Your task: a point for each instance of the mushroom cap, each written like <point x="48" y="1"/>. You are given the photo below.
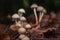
<point x="22" y="36"/>
<point x="26" y="38"/>
<point x="15" y="16"/>
<point x="34" y="6"/>
<point x="21" y="10"/>
<point x="28" y="26"/>
<point x="22" y="18"/>
<point x="21" y="30"/>
<point x="40" y="8"/>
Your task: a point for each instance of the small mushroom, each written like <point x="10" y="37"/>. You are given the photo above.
<point x="28" y="26"/>
<point x="22" y="36"/>
<point x="15" y="17"/>
<point x="22" y="30"/>
<point x="26" y="38"/>
<point x="22" y="18"/>
<point x="21" y="11"/>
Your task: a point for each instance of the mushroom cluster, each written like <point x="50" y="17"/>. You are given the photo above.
<point x="19" y="20"/>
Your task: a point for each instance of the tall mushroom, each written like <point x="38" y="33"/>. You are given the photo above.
<point x="41" y="13"/>
<point x="34" y="6"/>
<point x="40" y="9"/>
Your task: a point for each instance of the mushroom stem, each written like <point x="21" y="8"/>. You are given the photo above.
<point x="15" y="20"/>
<point x="41" y="16"/>
<point x="20" y="14"/>
<point x="35" y="14"/>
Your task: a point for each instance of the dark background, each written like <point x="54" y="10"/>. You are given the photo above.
<point x="12" y="6"/>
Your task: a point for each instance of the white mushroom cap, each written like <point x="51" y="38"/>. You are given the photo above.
<point x="21" y="10"/>
<point x="15" y="16"/>
<point x="40" y="8"/>
<point x="26" y="38"/>
<point x="34" y="6"/>
<point x="22" y="36"/>
<point x="21" y="30"/>
<point x="22" y="18"/>
<point x="28" y="26"/>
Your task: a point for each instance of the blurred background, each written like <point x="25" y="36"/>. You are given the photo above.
<point x="11" y="6"/>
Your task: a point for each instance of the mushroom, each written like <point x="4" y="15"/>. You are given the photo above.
<point x="21" y="11"/>
<point x="41" y="12"/>
<point x="26" y="38"/>
<point x="22" y="30"/>
<point x="15" y="17"/>
<point x="22" y="36"/>
<point x="28" y="26"/>
<point x="22" y="18"/>
<point x="34" y="6"/>
<point x="18" y="25"/>
<point x="40" y="8"/>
